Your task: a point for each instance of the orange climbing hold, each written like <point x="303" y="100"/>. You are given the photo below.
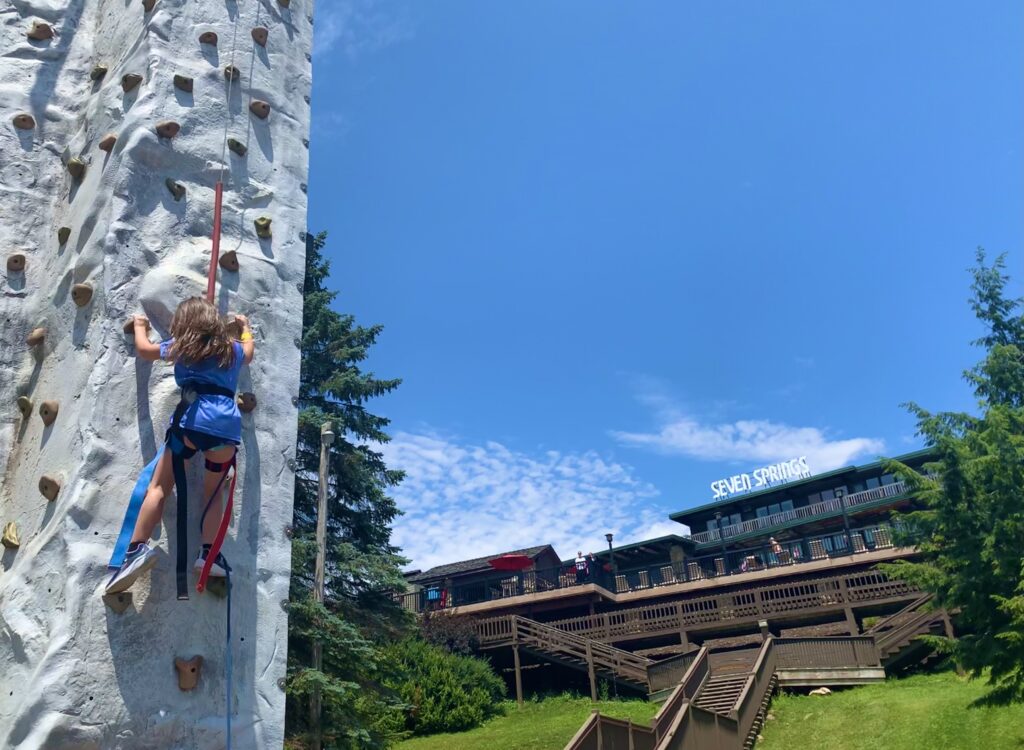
<point x="229" y="261"/>
<point x="263" y="227"/>
<point x="81" y="294"/>
<point x="49" y="487"/>
<point x="259" y="35"/>
<point x="167" y="129"/>
<point x="24" y="121"/>
<point x="40" y="31"/>
<point x="188" y="672"/>
<point x="37" y="337"/>
<point x="106" y="144"/>
<point x="260" y="108"/>
<point x="15" y="263"/>
<point x="208" y="37"/>
<point x="183" y="83"/>
<point x="130" y="81"/>
<point x="48" y="412"/>
<point x="149" y="5"/>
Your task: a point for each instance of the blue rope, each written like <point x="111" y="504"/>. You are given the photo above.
<point x="228" y="665"/>
<point x="131" y="516"/>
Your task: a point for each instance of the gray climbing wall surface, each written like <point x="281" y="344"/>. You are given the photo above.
<point x="114" y="118"/>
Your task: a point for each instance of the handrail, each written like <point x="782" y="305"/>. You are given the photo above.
<point x="758" y="684"/>
<point x="690" y="684"/>
<point x="907" y="630"/>
<point x="914" y="605"/>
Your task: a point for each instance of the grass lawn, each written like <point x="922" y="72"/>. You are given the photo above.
<point x="544" y="725"/>
<point x="923" y="711"/>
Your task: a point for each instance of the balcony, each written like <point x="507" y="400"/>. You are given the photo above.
<point x="806" y="513"/>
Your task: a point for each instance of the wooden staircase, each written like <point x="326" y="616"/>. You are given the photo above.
<point x="720" y="692"/>
<point x="897" y="636"/>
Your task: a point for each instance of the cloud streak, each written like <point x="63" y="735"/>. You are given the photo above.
<point x="464" y="500"/>
<point x="358" y="27"/>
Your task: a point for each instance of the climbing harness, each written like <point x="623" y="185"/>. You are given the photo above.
<point x="227" y="662"/>
<point x="225" y="519"/>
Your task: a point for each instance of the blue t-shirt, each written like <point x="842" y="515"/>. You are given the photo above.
<point x="209" y="413"/>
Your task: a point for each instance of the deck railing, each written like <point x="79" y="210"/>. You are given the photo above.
<point x="808" y="512"/>
<point x="709" y="566"/>
<point x="826" y="653"/>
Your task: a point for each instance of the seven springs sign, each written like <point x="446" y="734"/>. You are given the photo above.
<point x="795" y="468"/>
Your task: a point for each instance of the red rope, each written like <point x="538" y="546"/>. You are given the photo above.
<point x="211" y="281"/>
<point x="222" y="530"/>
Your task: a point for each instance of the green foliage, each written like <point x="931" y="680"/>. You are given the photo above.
<point x="454" y="633"/>
<point x="358" y="619"/>
<point x="973" y="498"/>
<point x="445" y="692"/>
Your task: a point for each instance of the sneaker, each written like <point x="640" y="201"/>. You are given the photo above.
<point x="140" y="558"/>
<point x="219" y="568"/>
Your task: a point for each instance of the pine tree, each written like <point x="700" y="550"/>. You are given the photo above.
<point x="359" y="617"/>
<point x="972" y="525"/>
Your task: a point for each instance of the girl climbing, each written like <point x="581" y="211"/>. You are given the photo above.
<point x="206" y="366"/>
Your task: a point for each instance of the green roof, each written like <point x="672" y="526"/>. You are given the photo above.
<point x="788" y="486"/>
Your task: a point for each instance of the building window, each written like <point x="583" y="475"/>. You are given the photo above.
<point x="888" y="479"/>
<point x="787" y="505"/>
<point x="762" y="512"/>
<point x="873" y="483"/>
<point x="828" y="495"/>
<point x="712" y="524"/>
<point x="815" y="498"/>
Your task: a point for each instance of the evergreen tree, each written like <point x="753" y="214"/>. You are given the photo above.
<point x="358" y="618"/>
<point x="973" y="497"/>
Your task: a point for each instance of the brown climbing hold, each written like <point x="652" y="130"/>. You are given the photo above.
<point x="49" y="487"/>
<point x="24" y="121"/>
<point x="208" y="37"/>
<point x="81" y="294"/>
<point x="119" y="603"/>
<point x="246" y="402"/>
<point x="263" y="227"/>
<point x="231" y="73"/>
<point x="129" y="326"/>
<point x="76" y="167"/>
<point x="284" y="3"/>
<point x="130" y="81"/>
<point x="188" y="672"/>
<point x="260" y="108"/>
<point x="229" y="261"/>
<point x="48" y="412"/>
<point x="37" y="337"/>
<point x="10" y="539"/>
<point x="167" y="129"/>
<point x="217" y="586"/>
<point x="40" y="31"/>
<point x="106" y="144"/>
<point x="97" y="72"/>
<point x="25" y="406"/>
<point x="176" y="188"/>
<point x="15" y="263"/>
<point x="63" y="235"/>
<point x="259" y="35"/>
<point x="149" y="5"/>
<point x="183" y="82"/>
<point x="236" y="146"/>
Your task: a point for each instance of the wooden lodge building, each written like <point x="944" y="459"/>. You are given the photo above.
<point x="782" y="580"/>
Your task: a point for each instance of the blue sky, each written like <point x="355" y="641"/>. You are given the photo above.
<point x="621" y="250"/>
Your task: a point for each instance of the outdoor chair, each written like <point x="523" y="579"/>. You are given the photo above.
<point x="509" y="586"/>
<point x="668" y="575"/>
<point x="719" y="566"/>
<point x="645" y="580"/>
<point x="882" y="538"/>
<point x="621" y="587"/>
<point x="529" y="582"/>
<point x="818" y="550"/>
<point x="695" y="571"/>
<point x="858" y="542"/>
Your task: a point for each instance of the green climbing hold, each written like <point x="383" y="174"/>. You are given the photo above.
<point x="263" y="227"/>
<point x="76" y="167"/>
<point x="25" y="406"/>
<point x="63" y="235"/>
<point x="97" y="72"/>
<point x="176" y="188"/>
<point x="236" y="146"/>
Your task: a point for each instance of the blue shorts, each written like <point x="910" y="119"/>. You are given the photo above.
<point x="205" y="442"/>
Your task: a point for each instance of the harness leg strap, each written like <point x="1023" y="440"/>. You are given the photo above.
<point x="179" y="453"/>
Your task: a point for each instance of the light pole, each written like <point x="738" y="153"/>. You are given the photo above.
<point x="611" y="555"/>
<point x="326" y="438"/>
<point x="721" y="537"/>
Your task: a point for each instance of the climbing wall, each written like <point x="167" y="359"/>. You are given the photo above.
<point x="118" y="119"/>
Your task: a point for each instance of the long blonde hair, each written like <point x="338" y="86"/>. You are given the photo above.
<point x="199" y="334"/>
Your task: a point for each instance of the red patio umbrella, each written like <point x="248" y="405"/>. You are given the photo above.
<point x="511" y="562"/>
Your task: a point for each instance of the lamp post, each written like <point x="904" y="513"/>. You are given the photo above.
<point x="611" y="555"/>
<point x="840" y="496"/>
<point x="721" y="537"/>
<point x="326" y="438"/>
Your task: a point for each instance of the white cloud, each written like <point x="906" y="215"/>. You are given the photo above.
<point x="359" y="26"/>
<point x="750" y="440"/>
<point x="463" y="500"/>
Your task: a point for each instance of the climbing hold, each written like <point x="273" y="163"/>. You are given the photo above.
<point x="10" y="539"/>
<point x="97" y="72"/>
<point x="130" y="81"/>
<point x="236" y="146"/>
<point x="106" y="144"/>
<point x="232" y="329"/>
<point x="259" y="35"/>
<point x="40" y="31"/>
<point x="188" y="672"/>
<point x="231" y="73"/>
<point x="129" y="326"/>
<point x="76" y="167"/>
<point x="25" y="406"/>
<point x="284" y="3"/>
<point x="208" y="37"/>
<point x="176" y="188"/>
<point x="229" y="261"/>
<point x="24" y="121"/>
<point x="15" y="263"/>
<point x="81" y="294"/>
<point x="263" y="227"/>
<point x="48" y="412"/>
<point x="49" y="487"/>
<point x="149" y="5"/>
<point x="167" y="129"/>
<point x="63" y="235"/>
<point x="246" y="402"/>
<point x="260" y="108"/>
<point x="183" y="82"/>
<point x="37" y="337"/>
<point x="119" y="603"/>
<point x="217" y="586"/>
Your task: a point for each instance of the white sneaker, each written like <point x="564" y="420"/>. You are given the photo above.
<point x="135" y="564"/>
<point x="217" y="570"/>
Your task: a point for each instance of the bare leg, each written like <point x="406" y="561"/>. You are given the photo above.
<point x="152" y="509"/>
<point x="210" y="481"/>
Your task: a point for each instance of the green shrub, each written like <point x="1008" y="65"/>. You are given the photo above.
<point x="445" y="692"/>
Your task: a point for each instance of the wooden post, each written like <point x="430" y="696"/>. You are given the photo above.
<point x="519" y="675"/>
<point x="590" y="673"/>
<point x="326" y="438"/>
